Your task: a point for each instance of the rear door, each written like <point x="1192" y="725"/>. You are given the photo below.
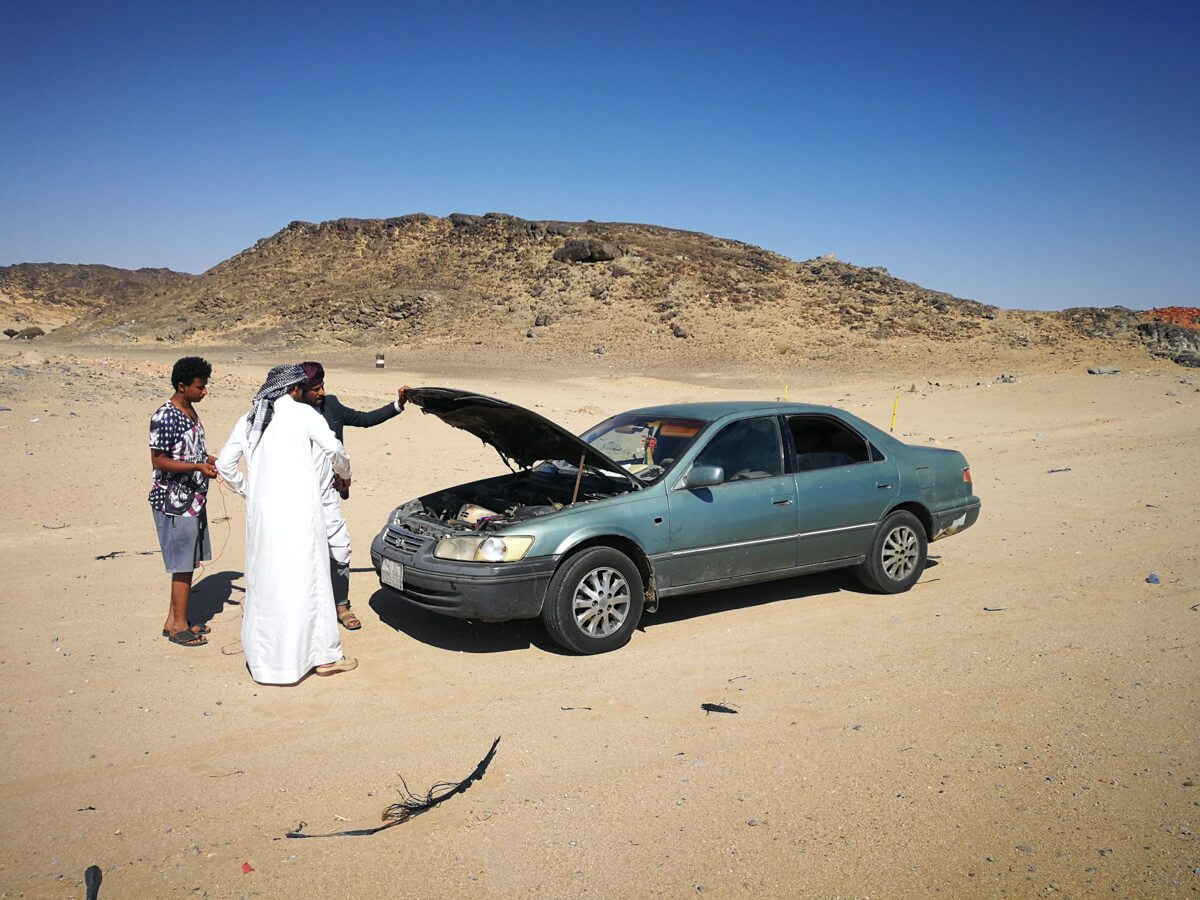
<point x="743" y="526"/>
<point x="843" y="487"/>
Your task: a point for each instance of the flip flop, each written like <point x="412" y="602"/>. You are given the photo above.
<point x="186" y="638"/>
<point x="342" y="665"/>
<point x="201" y="628"/>
<point x="346" y="617"/>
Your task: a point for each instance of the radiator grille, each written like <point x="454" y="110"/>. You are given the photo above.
<point x="404" y="540"/>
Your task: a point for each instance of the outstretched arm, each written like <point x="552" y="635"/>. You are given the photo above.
<point x="360" y="419"/>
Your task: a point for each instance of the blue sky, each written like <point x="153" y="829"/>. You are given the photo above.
<point x="1026" y="155"/>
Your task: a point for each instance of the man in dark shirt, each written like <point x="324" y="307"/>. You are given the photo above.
<point x="338" y="417"/>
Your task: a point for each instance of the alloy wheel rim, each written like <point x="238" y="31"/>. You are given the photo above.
<point x="900" y="552"/>
<point x="601" y="602"/>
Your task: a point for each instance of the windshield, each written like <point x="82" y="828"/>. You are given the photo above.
<point x="646" y="445"/>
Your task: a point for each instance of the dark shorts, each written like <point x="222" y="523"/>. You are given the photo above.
<point x="183" y="539"/>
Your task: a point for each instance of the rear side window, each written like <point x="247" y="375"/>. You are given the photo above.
<point x="819" y="442"/>
<point x="750" y="448"/>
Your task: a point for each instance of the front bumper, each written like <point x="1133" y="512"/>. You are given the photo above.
<point x="952" y="521"/>
<point x="466" y="590"/>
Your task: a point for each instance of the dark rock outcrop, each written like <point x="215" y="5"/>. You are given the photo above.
<point x="588" y="251"/>
<point x="1174" y="342"/>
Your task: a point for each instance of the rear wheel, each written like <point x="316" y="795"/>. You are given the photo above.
<point x="594" y="601"/>
<point x="897" y="556"/>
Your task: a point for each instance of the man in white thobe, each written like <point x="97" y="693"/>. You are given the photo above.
<point x="288" y="625"/>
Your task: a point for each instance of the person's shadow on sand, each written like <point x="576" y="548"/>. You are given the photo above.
<point x="211" y="593"/>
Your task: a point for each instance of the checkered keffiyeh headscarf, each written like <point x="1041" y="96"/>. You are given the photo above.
<point x="279" y="379"/>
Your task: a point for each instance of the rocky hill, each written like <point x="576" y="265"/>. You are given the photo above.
<point x="545" y="289"/>
<point x="52" y="294"/>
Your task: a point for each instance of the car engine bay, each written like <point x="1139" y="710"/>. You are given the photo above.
<point x="495" y="503"/>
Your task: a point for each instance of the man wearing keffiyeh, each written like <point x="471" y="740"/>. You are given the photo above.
<point x="288" y="625"/>
<point x="280" y="380"/>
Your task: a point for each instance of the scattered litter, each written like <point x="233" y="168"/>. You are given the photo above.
<point x="567" y="708"/>
<point x="1152" y="579"/>
<point x="736" y="677"/>
<point x="227" y="774"/>
<point x="34" y="419"/>
<point x="247" y="868"/>
<point x="717" y="708"/>
<point x="411" y="806"/>
<point x="112" y="555"/>
<point x="1006" y="379"/>
<point x="85" y="809"/>
<point x="1104" y="370"/>
<point x="1040" y="435"/>
<point x="994" y="608"/>
<point x="56" y="527"/>
<point x="1052" y="471"/>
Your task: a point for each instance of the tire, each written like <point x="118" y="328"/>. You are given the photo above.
<point x="594" y="601"/>
<point x="897" y="556"/>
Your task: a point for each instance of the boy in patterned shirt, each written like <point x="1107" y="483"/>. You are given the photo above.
<point x="182" y="468"/>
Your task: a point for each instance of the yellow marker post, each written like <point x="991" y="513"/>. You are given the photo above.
<point x="895" y="407"/>
<point x="785" y="393"/>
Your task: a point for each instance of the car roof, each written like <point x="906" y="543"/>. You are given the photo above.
<point x="715" y="409"/>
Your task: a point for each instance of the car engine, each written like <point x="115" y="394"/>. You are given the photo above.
<point x="499" y="502"/>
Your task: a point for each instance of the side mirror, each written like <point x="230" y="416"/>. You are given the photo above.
<point x="703" y="476"/>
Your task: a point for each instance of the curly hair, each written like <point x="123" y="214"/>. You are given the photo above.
<point x="188" y="370"/>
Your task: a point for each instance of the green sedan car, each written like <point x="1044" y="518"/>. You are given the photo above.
<point x="589" y="532"/>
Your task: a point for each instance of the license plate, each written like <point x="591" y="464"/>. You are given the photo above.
<point x="392" y="574"/>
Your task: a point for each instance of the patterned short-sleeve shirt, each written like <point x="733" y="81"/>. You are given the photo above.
<point x="178" y="493"/>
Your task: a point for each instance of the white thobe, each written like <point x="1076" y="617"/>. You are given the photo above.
<point x="337" y="533"/>
<point x="288" y="624"/>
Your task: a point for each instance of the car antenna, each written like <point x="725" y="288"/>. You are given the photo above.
<point x="578" y="476"/>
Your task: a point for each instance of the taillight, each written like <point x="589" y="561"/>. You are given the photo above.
<point x="967" y="475"/>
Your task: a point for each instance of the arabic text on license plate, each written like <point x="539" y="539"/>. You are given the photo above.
<point x="392" y="574"/>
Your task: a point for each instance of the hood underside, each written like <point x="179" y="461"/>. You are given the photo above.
<point x="519" y="434"/>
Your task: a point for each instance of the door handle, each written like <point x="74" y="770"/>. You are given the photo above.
<point x="883" y="485"/>
<point x="781" y="501"/>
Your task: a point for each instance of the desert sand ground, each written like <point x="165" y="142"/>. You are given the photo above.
<point x="883" y="745"/>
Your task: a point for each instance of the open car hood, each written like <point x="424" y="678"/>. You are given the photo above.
<point x="518" y="434"/>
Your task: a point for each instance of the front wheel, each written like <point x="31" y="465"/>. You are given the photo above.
<point x="897" y="556"/>
<point x="594" y="601"/>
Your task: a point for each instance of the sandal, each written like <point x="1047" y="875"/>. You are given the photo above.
<point x="195" y="628"/>
<point x="348" y="619"/>
<point x="342" y="665"/>
<point x="186" y="638"/>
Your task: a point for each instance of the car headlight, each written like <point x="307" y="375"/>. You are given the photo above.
<point x="483" y="549"/>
